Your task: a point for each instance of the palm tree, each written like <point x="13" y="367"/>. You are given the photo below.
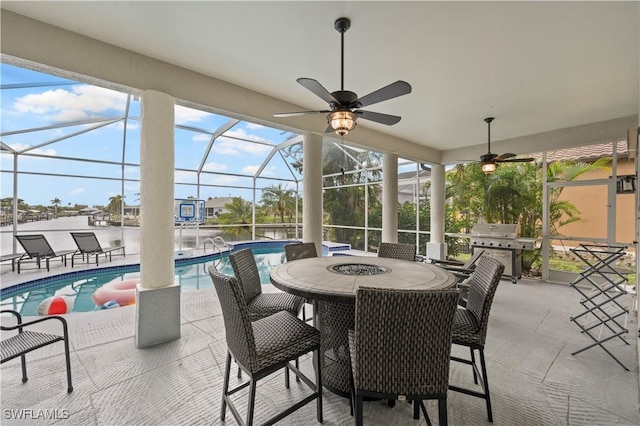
<point x="115" y="204"/>
<point x="238" y="214"/>
<point x="278" y="200"/>
<point x="55" y="203"/>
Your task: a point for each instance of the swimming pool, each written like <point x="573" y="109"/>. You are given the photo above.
<point x="191" y="274"/>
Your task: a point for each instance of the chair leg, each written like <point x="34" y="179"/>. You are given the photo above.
<point x="485" y="380"/>
<point x="359" y="420"/>
<point x="68" y="360"/>
<point x="252" y="401"/>
<point x="473" y="363"/>
<point x="318" y="385"/>
<point x="442" y="412"/>
<point x="416" y="409"/>
<point x="225" y="389"/>
<point x="298" y="367"/>
<point x="424" y="411"/>
<point x="286" y="376"/>
<point x="23" y="360"/>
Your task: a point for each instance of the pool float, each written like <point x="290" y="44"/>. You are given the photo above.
<point x="121" y="292"/>
<point x="55" y="305"/>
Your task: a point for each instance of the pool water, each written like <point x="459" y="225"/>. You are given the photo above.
<point x="80" y="288"/>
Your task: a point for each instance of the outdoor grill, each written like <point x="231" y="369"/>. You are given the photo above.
<point x="502" y="242"/>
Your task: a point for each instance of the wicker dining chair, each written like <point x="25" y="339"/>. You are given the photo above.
<point x="263" y="347"/>
<point x="462" y="271"/>
<point x="260" y="304"/>
<point x="401" y="346"/>
<point x="397" y="251"/>
<point x="297" y="251"/>
<point x="470" y="324"/>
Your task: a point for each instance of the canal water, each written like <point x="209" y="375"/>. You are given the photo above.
<point x="57" y="231"/>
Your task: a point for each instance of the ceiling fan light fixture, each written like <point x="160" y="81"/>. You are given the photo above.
<point x="489" y="168"/>
<point x="342" y="121"/>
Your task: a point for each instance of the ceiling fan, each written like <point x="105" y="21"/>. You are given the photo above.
<point x="490" y="161"/>
<point x="344" y="106"/>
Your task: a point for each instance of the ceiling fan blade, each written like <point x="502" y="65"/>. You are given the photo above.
<point x="317" y="89"/>
<point x="505" y="156"/>
<point x="391" y="91"/>
<point x="517" y="160"/>
<point x="378" y="117"/>
<point x="297" y="113"/>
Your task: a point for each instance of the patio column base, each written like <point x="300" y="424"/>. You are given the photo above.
<point x="437" y="251"/>
<point x="157" y="315"/>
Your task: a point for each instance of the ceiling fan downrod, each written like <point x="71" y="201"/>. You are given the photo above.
<point x="488" y="120"/>
<point x="342" y="25"/>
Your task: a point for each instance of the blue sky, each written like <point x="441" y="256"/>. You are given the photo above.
<point x="27" y="107"/>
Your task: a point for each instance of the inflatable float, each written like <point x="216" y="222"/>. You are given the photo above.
<point x="55" y="305"/>
<point x="121" y="292"/>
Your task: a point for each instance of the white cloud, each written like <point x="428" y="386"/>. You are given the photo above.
<point x="46" y="151"/>
<point x="267" y="171"/>
<point x="77" y="191"/>
<point x="201" y="137"/>
<point x="184" y="115"/>
<point x="60" y="105"/>
<point x="254" y="126"/>
<point x="250" y="169"/>
<point x="218" y="180"/>
<point x="214" y="167"/>
<point x="229" y="146"/>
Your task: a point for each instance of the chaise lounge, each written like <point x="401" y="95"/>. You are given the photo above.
<point x="36" y="248"/>
<point x="88" y="245"/>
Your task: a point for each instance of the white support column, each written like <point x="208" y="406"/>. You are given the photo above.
<point x="312" y="190"/>
<point x="436" y="247"/>
<point x="157" y="295"/>
<point x="389" y="198"/>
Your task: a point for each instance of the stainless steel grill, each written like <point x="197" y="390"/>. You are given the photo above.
<point x="502" y="241"/>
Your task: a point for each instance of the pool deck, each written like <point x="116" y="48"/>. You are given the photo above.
<point x="534" y="378"/>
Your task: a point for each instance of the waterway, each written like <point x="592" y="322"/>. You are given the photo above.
<point x="57" y="233"/>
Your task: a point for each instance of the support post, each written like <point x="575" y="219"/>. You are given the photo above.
<point x="389" y="198"/>
<point x="312" y="190"/>
<point x="157" y="294"/>
<point x="436" y="247"/>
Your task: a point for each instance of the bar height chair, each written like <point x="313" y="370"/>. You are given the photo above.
<point x="262" y="347"/>
<point x="398" y="251"/>
<point x="470" y="324"/>
<point x="400" y="347"/>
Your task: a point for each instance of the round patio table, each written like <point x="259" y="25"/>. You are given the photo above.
<point x="332" y="282"/>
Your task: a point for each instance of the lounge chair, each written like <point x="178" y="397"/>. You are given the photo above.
<point x="11" y="257"/>
<point x="88" y="245"/>
<point x="36" y="248"/>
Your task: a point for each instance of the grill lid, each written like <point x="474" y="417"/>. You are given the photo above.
<point x="496" y="230"/>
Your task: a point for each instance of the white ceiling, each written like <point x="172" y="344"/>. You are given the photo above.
<point x="535" y="66"/>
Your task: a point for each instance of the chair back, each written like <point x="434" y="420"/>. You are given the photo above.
<point x="403" y="340"/>
<point x="246" y="271"/>
<point x="300" y="251"/>
<point x="397" y="251"/>
<point x="237" y="324"/>
<point x="482" y="287"/>
<point x="87" y="242"/>
<point x="471" y="263"/>
<point x="35" y="245"/>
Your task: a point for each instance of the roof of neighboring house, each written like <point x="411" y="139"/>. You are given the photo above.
<point x="218" y="202"/>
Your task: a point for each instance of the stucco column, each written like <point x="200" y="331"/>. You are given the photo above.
<point x="157" y="295"/>
<point x="389" y="198"/>
<point x="312" y="190"/>
<point x="436" y="247"/>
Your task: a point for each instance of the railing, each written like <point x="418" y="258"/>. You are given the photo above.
<point x="219" y="246"/>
